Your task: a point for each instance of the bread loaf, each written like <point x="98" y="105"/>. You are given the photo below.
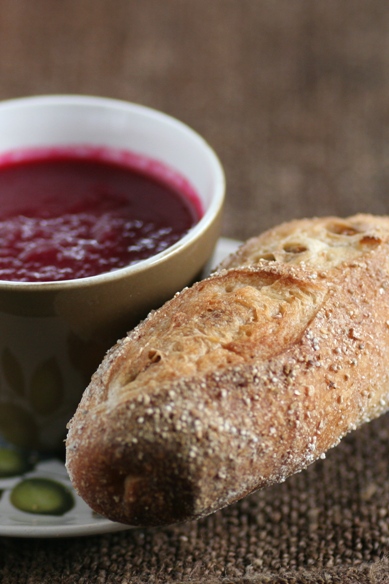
<point x="241" y="380"/>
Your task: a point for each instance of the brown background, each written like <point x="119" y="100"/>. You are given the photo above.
<point x="294" y="97"/>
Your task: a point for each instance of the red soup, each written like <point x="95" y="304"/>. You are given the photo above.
<point x="68" y="214"/>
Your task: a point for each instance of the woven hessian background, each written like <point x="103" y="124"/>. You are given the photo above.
<point x="294" y="97"/>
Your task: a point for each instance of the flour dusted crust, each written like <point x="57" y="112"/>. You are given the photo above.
<point x="241" y="380"/>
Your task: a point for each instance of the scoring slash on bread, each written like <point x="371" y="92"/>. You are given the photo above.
<point x="241" y="380"/>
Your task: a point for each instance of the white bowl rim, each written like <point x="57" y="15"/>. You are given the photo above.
<point x="189" y="238"/>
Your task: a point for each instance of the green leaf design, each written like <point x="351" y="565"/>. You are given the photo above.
<point x="12" y="463"/>
<point x="13" y="372"/>
<point x="42" y="496"/>
<point x="46" y="390"/>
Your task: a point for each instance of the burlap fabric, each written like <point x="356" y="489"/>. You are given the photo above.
<point x="294" y="96"/>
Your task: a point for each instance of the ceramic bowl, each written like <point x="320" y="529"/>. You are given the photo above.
<point x="54" y="334"/>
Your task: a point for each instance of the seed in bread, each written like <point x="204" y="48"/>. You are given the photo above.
<point x="241" y="380"/>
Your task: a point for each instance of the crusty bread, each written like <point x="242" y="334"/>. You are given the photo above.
<point x="241" y="380"/>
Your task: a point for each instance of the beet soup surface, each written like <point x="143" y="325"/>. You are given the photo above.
<point x="65" y="216"/>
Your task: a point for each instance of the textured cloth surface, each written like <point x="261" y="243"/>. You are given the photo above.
<point x="294" y="97"/>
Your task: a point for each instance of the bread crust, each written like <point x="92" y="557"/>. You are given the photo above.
<point x="241" y="380"/>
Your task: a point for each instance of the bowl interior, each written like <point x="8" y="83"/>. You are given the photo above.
<point x="76" y="121"/>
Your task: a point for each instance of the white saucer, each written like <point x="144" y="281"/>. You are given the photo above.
<point x="80" y="519"/>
